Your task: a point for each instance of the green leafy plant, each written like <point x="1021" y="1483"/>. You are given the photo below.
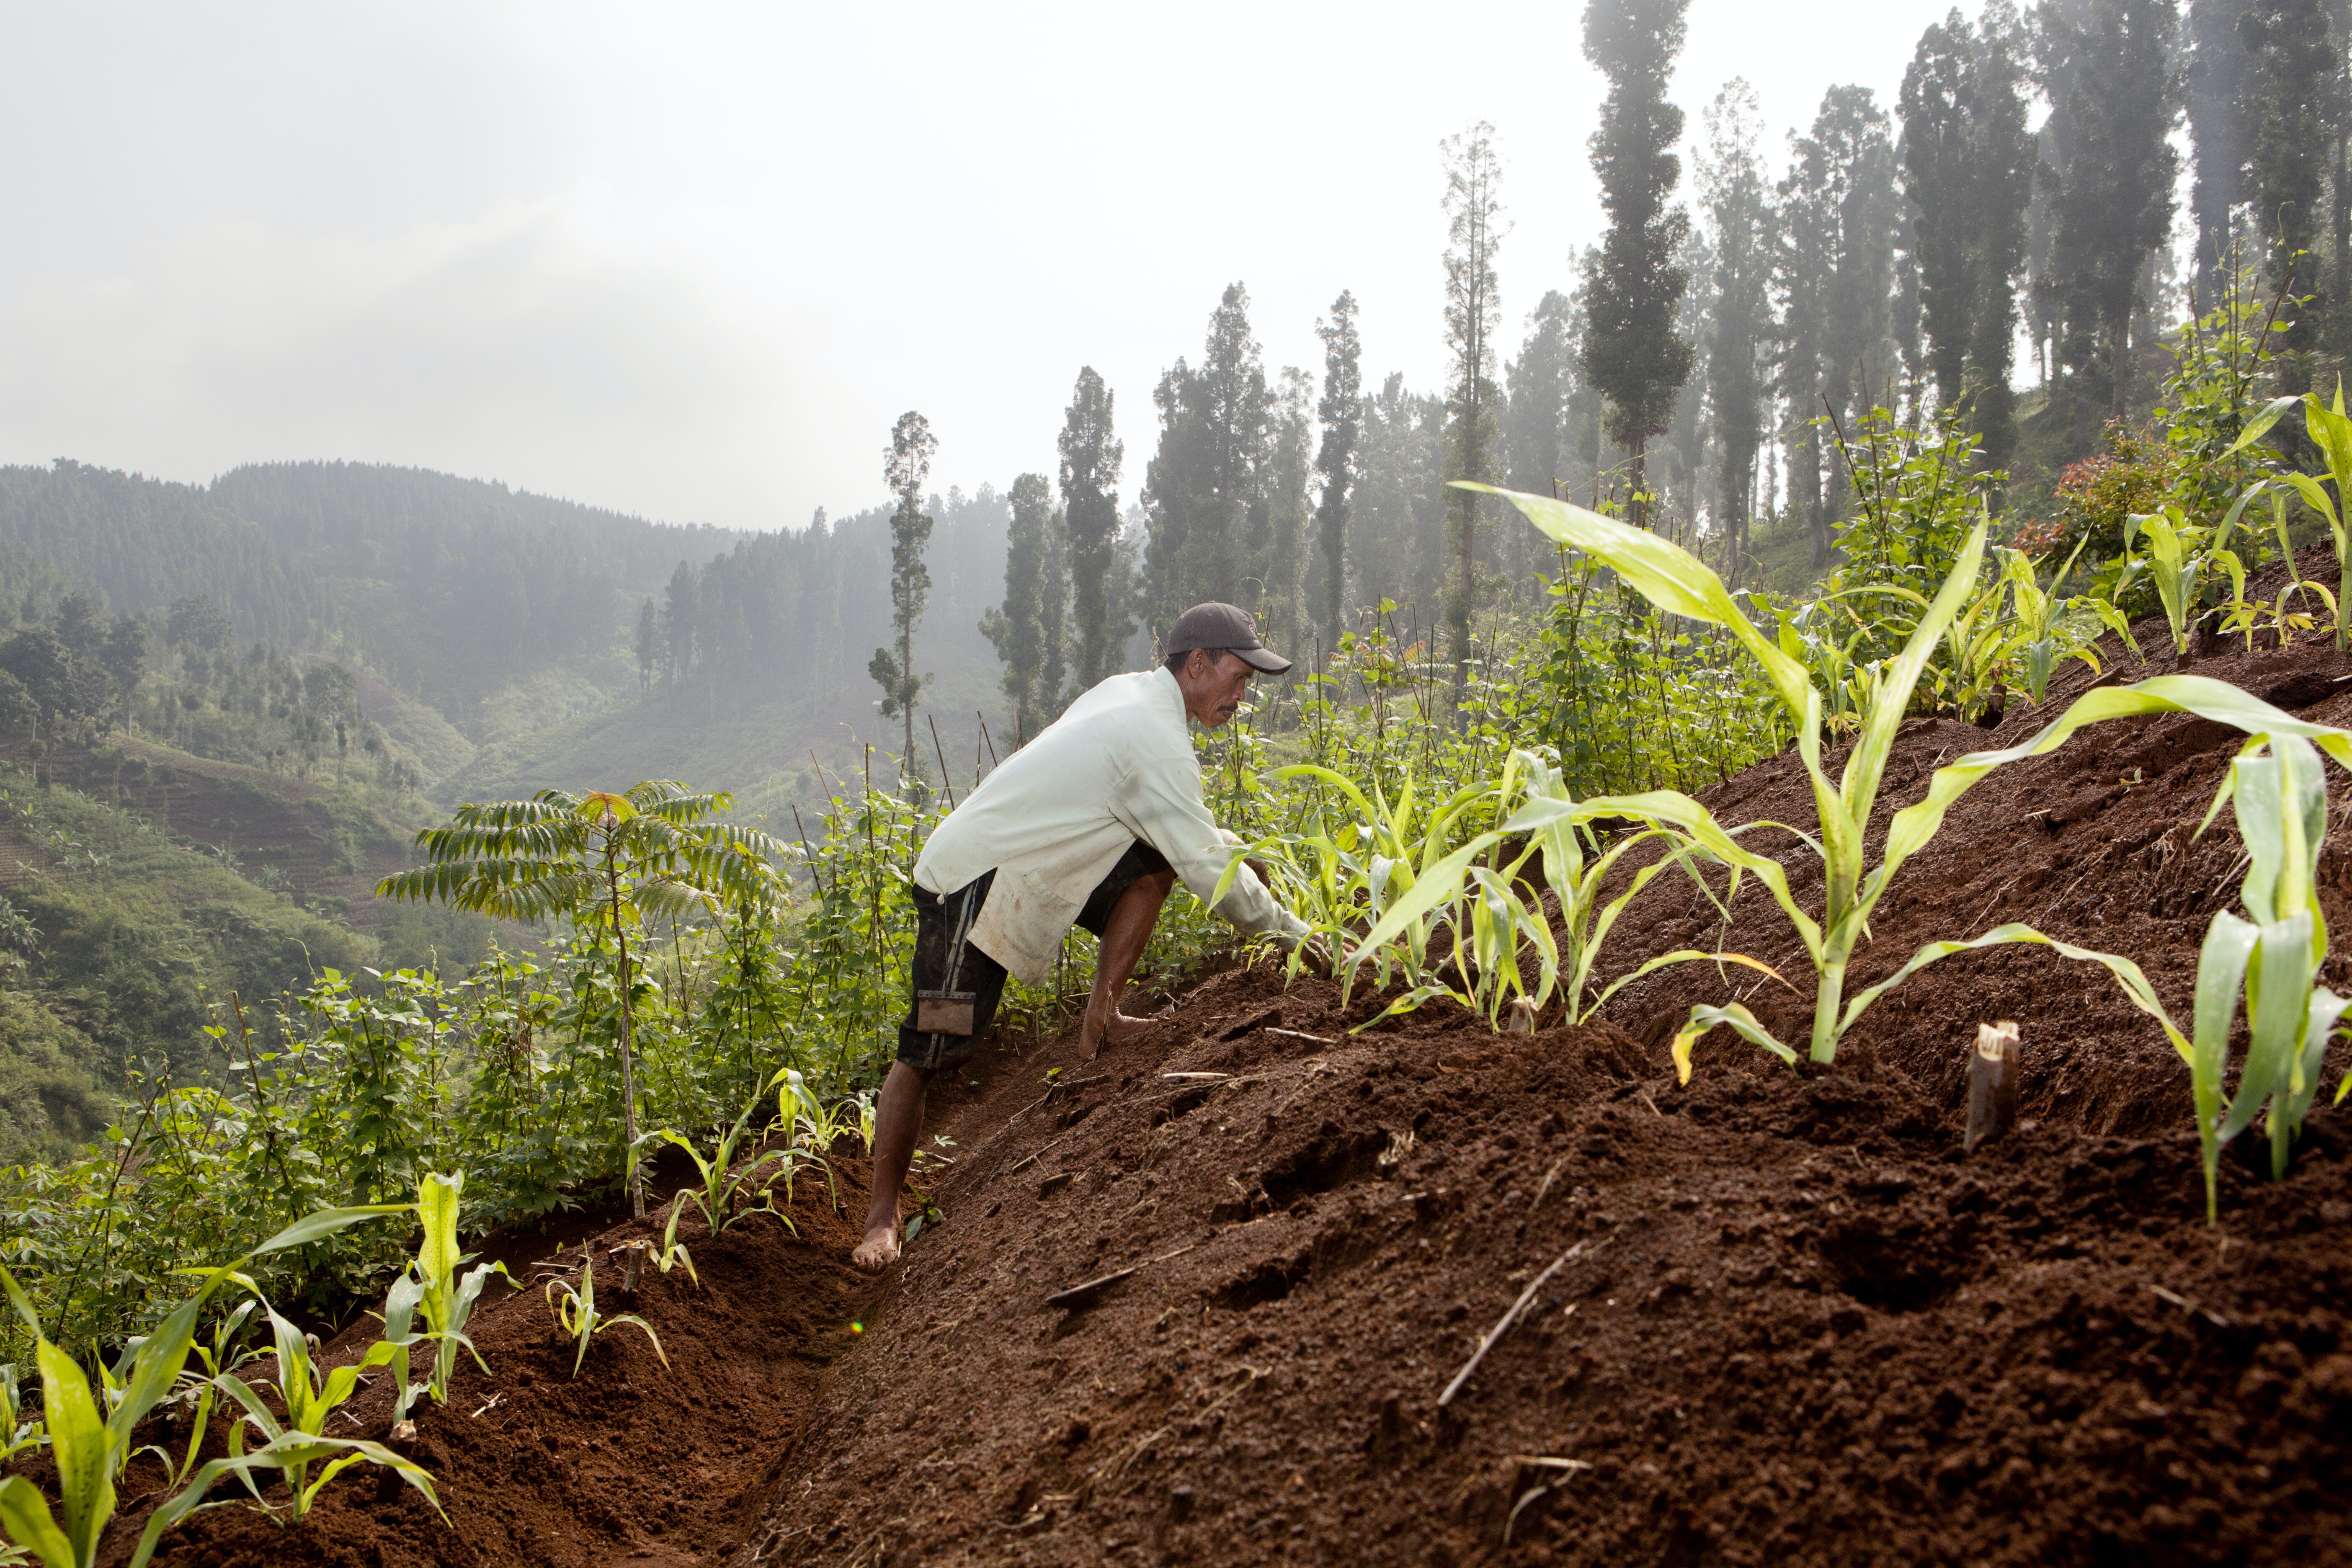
<point x="2330" y="431"/>
<point x="308" y="1400"/>
<point x="91" y="1449"/>
<point x="1493" y="912"/>
<point x="2281" y="815"/>
<point x="609" y="863"/>
<point x="2178" y="556"/>
<point x="200" y="1391"/>
<point x="577" y="1319"/>
<point x="2274" y="954"/>
<point x="1673" y="580"/>
<point x="446" y="1300"/>
<point x="17" y="1433"/>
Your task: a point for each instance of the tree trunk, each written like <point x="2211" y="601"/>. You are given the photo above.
<point x="2122" y="364"/>
<point x="628" y="1047"/>
<point x="1640" y="475"/>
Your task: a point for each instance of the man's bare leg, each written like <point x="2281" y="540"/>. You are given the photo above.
<point x="898" y="1122"/>
<point x="1125" y="935"/>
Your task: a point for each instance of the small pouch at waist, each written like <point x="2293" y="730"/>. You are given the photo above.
<point x="945" y="1012"/>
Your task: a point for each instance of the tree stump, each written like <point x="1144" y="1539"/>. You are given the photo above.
<point x="1995" y="1063"/>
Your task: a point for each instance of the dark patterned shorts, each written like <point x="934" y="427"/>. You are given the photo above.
<point x="945" y="959"/>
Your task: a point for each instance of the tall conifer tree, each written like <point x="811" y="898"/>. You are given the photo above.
<point x="1535" y="417"/>
<point x="1739" y="213"/>
<point x="905" y="466"/>
<point x="1473" y="208"/>
<point x="1341" y="411"/>
<point x="2112" y="76"/>
<point x="2291" y="97"/>
<point x="2215" y="83"/>
<point x="1968" y="167"/>
<point x="1840" y="219"/>
<point x="1631" y="353"/>
<point x="1091" y="456"/>
<point x="1017" y="626"/>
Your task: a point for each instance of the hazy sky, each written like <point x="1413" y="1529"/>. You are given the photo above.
<point x="692" y="260"/>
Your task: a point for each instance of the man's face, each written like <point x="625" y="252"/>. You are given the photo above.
<point x="1214" y="684"/>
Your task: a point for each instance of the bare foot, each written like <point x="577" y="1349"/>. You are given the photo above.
<point x="879" y="1250"/>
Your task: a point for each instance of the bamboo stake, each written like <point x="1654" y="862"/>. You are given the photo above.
<point x="946" y="783"/>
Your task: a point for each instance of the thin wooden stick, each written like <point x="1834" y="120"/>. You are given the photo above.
<point x="1503" y="1327"/>
<point x="946" y="783"/>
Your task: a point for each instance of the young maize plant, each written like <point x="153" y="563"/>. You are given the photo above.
<point x="2331" y="432"/>
<point x="293" y="1445"/>
<point x="2281" y="801"/>
<point x="722" y="1183"/>
<point x="2045" y="630"/>
<point x="400" y="1337"/>
<point x="92" y="1449"/>
<point x="447" y="1302"/>
<point x="1338" y="881"/>
<point x="202" y="1392"/>
<point x="2179" y="555"/>
<point x="2285" y="620"/>
<point x="17" y="1435"/>
<point x="1674" y="581"/>
<point x="1504" y="916"/>
<point x="577" y="1319"/>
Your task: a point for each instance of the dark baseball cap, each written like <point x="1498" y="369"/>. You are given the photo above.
<point x="1225" y="629"/>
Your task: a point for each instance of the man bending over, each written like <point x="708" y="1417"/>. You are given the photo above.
<point x="1090" y="824"/>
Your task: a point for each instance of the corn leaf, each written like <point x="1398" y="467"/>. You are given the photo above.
<point x="25" y="1514"/>
<point x="1732" y="1015"/>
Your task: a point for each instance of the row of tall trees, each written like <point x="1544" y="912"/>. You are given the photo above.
<point x="1702" y="360"/>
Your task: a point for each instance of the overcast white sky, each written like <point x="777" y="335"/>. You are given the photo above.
<point x="692" y="260"/>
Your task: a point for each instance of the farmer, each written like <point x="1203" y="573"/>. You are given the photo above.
<point x="1090" y="824"/>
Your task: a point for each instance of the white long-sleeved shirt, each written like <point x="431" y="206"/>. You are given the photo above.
<point x="1056" y="817"/>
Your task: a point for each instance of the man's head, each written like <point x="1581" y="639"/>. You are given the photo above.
<point x="1212" y="651"/>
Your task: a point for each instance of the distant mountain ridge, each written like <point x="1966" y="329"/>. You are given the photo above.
<point x="447" y="588"/>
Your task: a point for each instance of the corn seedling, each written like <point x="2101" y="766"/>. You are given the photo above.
<point x="2281" y="802"/>
<point x="1674" y="581"/>
<point x="18" y="1434"/>
<point x="1339" y="880"/>
<point x="201" y="1392"/>
<point x="92" y="1448"/>
<point x="722" y="1183"/>
<point x="2331" y="432"/>
<point x="2274" y="954"/>
<point x="447" y="1302"/>
<point x="577" y="1319"/>
<point x="400" y="1337"/>
<point x="308" y="1401"/>
<point x="292" y="1453"/>
<point x="2043" y="635"/>
<point x="2179" y="554"/>
<point x="1502" y="914"/>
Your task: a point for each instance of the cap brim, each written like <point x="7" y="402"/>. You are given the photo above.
<point x="1265" y="660"/>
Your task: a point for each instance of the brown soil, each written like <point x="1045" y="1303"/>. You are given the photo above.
<point x="1801" y="1326"/>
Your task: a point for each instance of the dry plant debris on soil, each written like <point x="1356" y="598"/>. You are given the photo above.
<point x="1800" y="1328"/>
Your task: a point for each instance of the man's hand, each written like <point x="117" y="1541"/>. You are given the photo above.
<point x="1322" y="958"/>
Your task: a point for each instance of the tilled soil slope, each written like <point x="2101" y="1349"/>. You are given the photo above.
<point x="1785" y="1320"/>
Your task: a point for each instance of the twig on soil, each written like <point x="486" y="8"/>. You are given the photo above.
<point x="1545" y="1185"/>
<point x="1504" y="1326"/>
<point x="1197" y="1075"/>
<point x="1302" y="1035"/>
